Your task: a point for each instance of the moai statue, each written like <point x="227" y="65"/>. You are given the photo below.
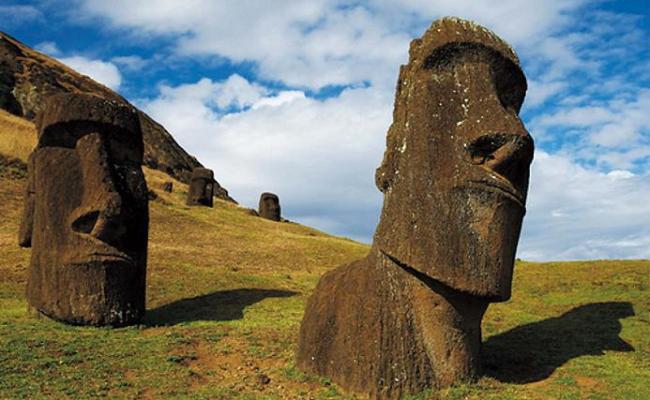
<point x="201" y="188"/>
<point x="269" y="207"/>
<point x="86" y="213"/>
<point x="454" y="177"/>
<point x="168" y="186"/>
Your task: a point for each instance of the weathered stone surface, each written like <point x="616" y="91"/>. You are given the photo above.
<point x="269" y="207"/>
<point x="454" y="177"/>
<point x="86" y="213"/>
<point x="201" y="188"/>
<point x="27" y="77"/>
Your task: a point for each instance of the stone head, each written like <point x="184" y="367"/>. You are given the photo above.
<point x="269" y="207"/>
<point x="456" y="167"/>
<point x="201" y="187"/>
<point x="86" y="213"/>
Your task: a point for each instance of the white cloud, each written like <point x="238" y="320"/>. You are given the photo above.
<point x="49" y="48"/>
<point x="18" y="14"/>
<point x="615" y="133"/>
<point x="102" y="71"/>
<point x="131" y="63"/>
<point x="580" y="213"/>
<point x="539" y="92"/>
<point x="319" y="43"/>
<point x="318" y="156"/>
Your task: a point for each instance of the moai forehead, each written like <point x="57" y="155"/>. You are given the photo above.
<point x="202" y="173"/>
<point x="269" y="196"/>
<point x="83" y="108"/>
<point x="455" y="170"/>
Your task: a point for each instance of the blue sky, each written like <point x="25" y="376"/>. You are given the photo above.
<point x="295" y="98"/>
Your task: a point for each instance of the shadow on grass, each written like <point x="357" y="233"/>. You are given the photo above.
<point x="531" y="352"/>
<point x="226" y="305"/>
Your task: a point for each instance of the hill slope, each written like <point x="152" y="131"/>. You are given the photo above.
<point x="27" y="77"/>
<point x="226" y="293"/>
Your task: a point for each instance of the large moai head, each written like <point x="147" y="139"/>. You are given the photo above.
<point x="269" y="207"/>
<point x="456" y="167"/>
<point x="201" y="188"/>
<point x="86" y="213"/>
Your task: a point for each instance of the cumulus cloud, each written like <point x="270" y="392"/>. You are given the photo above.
<point x="103" y="72"/>
<point x="317" y="155"/>
<point x="320" y="155"/>
<point x="614" y="133"/>
<point x="585" y="107"/>
<point x="319" y="43"/>
<point x="576" y="212"/>
<point x="49" y="48"/>
<point x="131" y="63"/>
<point x="12" y="15"/>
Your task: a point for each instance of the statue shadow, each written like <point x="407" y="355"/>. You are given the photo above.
<point x="531" y="352"/>
<point x="225" y="305"/>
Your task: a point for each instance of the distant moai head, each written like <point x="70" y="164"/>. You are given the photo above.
<point x="201" y="188"/>
<point x="269" y="207"/>
<point x="86" y="213"/>
<point x="456" y="167"/>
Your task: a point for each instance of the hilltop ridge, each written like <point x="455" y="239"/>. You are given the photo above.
<point x="28" y="76"/>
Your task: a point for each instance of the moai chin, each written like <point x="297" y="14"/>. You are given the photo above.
<point x="454" y="177"/>
<point x="86" y="213"/>
<point x="269" y="207"/>
<point x="201" y="188"/>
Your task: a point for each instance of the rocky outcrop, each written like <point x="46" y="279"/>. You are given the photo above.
<point x="27" y="77"/>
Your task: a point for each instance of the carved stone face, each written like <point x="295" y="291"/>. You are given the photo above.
<point x="455" y="172"/>
<point x="269" y="207"/>
<point x="89" y="223"/>
<point x="201" y="187"/>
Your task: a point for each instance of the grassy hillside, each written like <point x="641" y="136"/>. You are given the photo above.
<point x="226" y="292"/>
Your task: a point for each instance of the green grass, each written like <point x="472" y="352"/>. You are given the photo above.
<point x="226" y="293"/>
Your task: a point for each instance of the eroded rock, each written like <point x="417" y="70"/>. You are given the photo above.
<point x="86" y="213"/>
<point x="454" y="177"/>
<point x="201" y="188"/>
<point x="269" y="207"/>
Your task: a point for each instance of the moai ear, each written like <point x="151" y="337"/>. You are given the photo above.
<point x="385" y="174"/>
<point x="27" y="222"/>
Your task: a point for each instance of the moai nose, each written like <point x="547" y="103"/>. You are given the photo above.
<point x="507" y="154"/>
<point x="100" y="212"/>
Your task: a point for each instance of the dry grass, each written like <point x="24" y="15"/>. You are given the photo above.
<point x="226" y="293"/>
<point x="17" y="136"/>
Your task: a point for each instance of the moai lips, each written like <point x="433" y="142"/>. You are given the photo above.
<point x="454" y="177"/>
<point x="86" y="213"/>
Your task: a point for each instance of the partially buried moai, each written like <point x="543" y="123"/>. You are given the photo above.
<point x="86" y="213"/>
<point x="454" y="177"/>
<point x="269" y="207"/>
<point x="201" y="188"/>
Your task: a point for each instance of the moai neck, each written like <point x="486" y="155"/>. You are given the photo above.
<point x="448" y="323"/>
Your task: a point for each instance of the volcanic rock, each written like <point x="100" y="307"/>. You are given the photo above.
<point x="269" y="207"/>
<point x="454" y="178"/>
<point x="86" y="213"/>
<point x="201" y="188"/>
